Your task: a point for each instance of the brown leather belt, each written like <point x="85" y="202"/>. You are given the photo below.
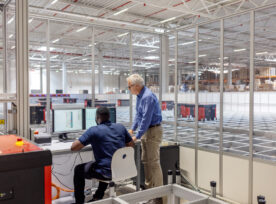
<point x="151" y="126"/>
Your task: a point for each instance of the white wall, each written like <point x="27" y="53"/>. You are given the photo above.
<point x="76" y="82"/>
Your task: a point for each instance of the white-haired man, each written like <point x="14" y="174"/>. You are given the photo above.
<point x="148" y="118"/>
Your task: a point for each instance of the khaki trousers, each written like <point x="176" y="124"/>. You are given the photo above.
<point x="150" y="143"/>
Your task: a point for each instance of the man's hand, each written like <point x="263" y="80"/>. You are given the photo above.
<point x="130" y="132"/>
<point x="134" y="139"/>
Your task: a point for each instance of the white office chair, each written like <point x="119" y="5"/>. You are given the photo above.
<point x="123" y="164"/>
<point x="122" y="167"/>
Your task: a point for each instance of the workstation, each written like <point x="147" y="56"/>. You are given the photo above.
<point x="210" y="64"/>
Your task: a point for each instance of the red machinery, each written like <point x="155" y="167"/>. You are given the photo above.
<point x="25" y="171"/>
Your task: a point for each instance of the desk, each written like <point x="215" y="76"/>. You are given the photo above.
<point x="64" y="162"/>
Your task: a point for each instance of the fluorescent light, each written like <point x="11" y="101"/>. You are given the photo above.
<point x="84" y="59"/>
<point x="159" y="30"/>
<point x="55" y="56"/>
<point x="239" y="50"/>
<point x="12" y="47"/>
<point x="261" y="53"/>
<point x="56" y="40"/>
<point x="202" y="55"/>
<point x="187" y="43"/>
<point x="270" y="60"/>
<point x="144" y="45"/>
<point x="11" y="35"/>
<point x="171" y="60"/>
<point x="171" y="37"/>
<point x="53" y="2"/>
<point x="11" y="20"/>
<point x="151" y="50"/>
<point x="81" y="29"/>
<point x="31" y="20"/>
<point x="119" y="12"/>
<point x="121" y="35"/>
<point x="169" y="19"/>
<point x="151" y="57"/>
<point x="192" y="62"/>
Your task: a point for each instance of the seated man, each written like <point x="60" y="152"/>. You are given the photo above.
<point x="105" y="139"/>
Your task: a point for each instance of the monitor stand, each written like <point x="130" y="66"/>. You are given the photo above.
<point x="64" y="138"/>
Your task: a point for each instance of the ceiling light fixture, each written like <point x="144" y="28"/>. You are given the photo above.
<point x="239" y="50"/>
<point x="53" y="2"/>
<point x="11" y="35"/>
<point x="169" y="19"/>
<point x="11" y="20"/>
<point x="202" y="55"/>
<point x="81" y="29"/>
<point x="261" y="53"/>
<point x="56" y="40"/>
<point x="121" y="35"/>
<point x="31" y="20"/>
<point x="151" y="50"/>
<point x="119" y="12"/>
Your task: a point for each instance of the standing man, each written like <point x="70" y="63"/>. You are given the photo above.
<point x="148" y="118"/>
<point x="105" y="139"/>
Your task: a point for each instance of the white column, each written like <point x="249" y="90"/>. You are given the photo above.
<point x="229" y="80"/>
<point x="22" y="65"/>
<point x="64" y="77"/>
<point x="100" y="75"/>
<point x="41" y="79"/>
<point x="165" y="67"/>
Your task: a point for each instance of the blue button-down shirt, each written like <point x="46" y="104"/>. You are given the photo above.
<point x="105" y="139"/>
<point x="148" y="112"/>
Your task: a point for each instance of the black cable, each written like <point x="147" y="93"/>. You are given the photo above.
<point x="61" y="182"/>
<point x="81" y="157"/>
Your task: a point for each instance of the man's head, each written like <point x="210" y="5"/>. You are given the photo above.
<point x="135" y="83"/>
<point x="102" y="115"/>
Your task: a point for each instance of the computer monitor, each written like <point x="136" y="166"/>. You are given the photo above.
<point x="66" y="121"/>
<point x="90" y="117"/>
<point x="112" y="111"/>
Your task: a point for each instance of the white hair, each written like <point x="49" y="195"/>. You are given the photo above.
<point x="136" y="79"/>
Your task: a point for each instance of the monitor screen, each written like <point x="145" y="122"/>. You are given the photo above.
<point x="90" y="117"/>
<point x="112" y="114"/>
<point x="67" y="120"/>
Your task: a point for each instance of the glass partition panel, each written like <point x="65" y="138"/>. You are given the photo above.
<point x="186" y="87"/>
<point x="112" y="69"/>
<point x="168" y="85"/>
<point x="209" y="76"/>
<point x="236" y="85"/>
<point x="264" y="146"/>
<point x="11" y="50"/>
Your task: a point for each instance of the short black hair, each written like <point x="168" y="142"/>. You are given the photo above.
<point x="103" y="114"/>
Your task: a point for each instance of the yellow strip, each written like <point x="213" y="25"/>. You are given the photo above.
<point x="2" y="122"/>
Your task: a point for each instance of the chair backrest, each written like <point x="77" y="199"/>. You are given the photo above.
<point x="123" y="164"/>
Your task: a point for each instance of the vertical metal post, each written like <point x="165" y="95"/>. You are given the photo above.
<point x="175" y="84"/>
<point x="221" y="84"/>
<point x="93" y="67"/>
<point x="48" y="76"/>
<point x="196" y="110"/>
<point x="41" y="79"/>
<point x="130" y="70"/>
<point x="64" y="77"/>
<point x="251" y="106"/>
<point x="4" y="23"/>
<point x="160" y="70"/>
<point x="22" y="66"/>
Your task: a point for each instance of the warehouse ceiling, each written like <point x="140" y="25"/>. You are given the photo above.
<point x="71" y="33"/>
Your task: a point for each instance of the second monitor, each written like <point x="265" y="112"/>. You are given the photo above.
<point x="90" y="116"/>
